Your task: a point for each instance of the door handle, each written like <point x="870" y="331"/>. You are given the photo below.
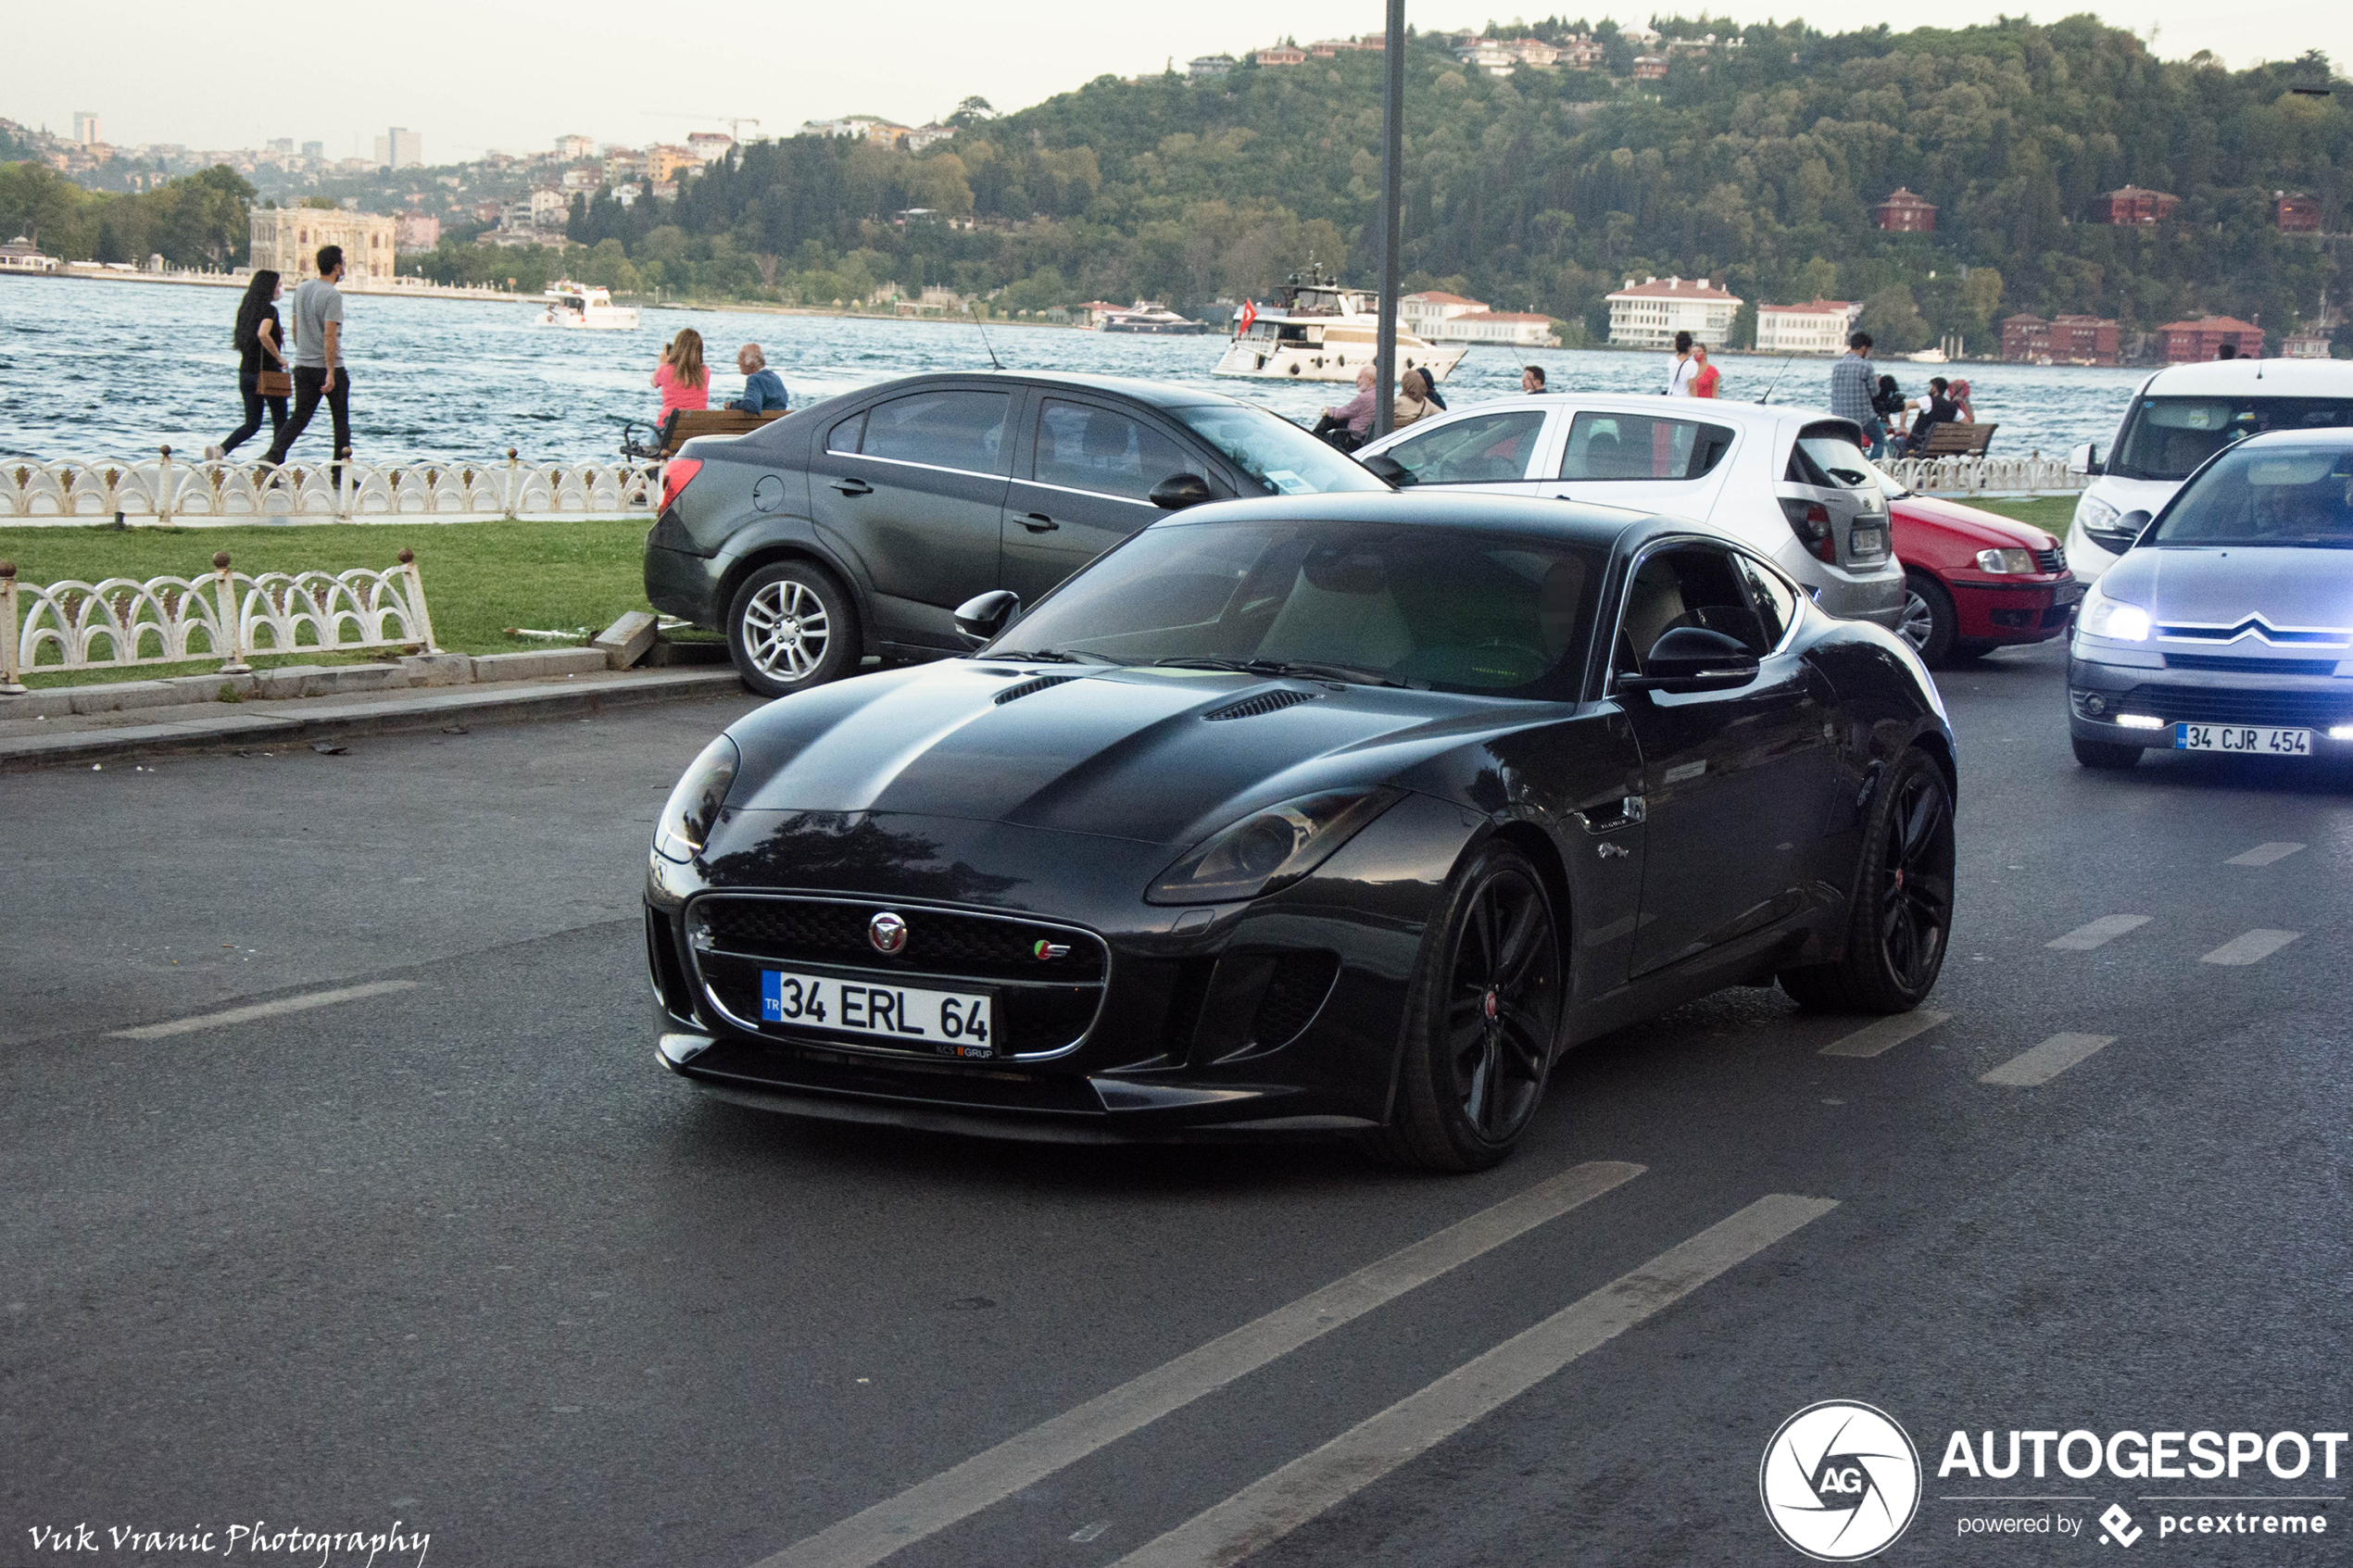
<point x="1630" y="811"/>
<point x="851" y="486"/>
<point x="1038" y="522"/>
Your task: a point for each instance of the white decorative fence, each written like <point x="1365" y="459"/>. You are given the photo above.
<point x="169" y="489"/>
<point x="2032" y="474"/>
<point x="122" y="621"/>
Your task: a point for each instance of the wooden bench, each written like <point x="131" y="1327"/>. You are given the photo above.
<point x="685" y="424"/>
<point x="1955" y="439"/>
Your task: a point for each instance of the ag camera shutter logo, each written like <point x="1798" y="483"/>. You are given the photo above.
<point x="1839" y="1481"/>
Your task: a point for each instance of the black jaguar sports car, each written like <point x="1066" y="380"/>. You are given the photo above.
<point x="1316" y="813"/>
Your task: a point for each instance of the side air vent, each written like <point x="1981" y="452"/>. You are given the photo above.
<point x="1265" y="702"/>
<point x="1036" y="683"/>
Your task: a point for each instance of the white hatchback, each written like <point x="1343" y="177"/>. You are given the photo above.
<point x="1791" y="482"/>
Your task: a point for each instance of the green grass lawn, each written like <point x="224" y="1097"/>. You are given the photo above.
<point x="555" y="573"/>
<point x="2050" y="513"/>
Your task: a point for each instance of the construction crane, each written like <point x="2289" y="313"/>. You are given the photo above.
<point x="734" y="123"/>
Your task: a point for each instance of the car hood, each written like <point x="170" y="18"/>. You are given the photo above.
<point x="1153" y="756"/>
<point x="2225" y="585"/>
<point x="1982" y="529"/>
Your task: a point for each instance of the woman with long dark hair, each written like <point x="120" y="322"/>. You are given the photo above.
<point x="260" y="340"/>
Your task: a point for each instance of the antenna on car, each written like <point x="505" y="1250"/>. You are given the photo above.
<point x="993" y="363"/>
<point x="1777" y="379"/>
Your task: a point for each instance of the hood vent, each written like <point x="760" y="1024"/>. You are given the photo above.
<point x="1034" y="683"/>
<point x="1265" y="702"/>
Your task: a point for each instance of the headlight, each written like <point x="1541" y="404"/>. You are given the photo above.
<point x="1270" y="848"/>
<point x="2005" y="560"/>
<point x="2103" y="617"/>
<point x="2093" y="512"/>
<point x="693" y="807"/>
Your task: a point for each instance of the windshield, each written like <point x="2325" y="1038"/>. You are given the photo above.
<point x="2167" y="438"/>
<point x="1407" y="604"/>
<point x="2266" y="494"/>
<point x="1283" y="458"/>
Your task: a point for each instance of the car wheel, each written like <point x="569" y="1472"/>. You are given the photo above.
<point x="1482" y="1017"/>
<point x="2100" y="754"/>
<point x="1929" y="621"/>
<point x="1904" y="901"/>
<point x="790" y="627"/>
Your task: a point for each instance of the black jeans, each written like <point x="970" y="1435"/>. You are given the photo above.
<point x="254" y="400"/>
<point x="310" y="385"/>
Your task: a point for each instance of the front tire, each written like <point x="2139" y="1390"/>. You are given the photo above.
<point x="2101" y="754"/>
<point x="792" y="626"/>
<point x="1482" y="1020"/>
<point x="1931" y="623"/>
<point x="1902" y="914"/>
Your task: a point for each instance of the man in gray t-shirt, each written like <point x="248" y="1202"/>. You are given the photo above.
<point x="318" y="359"/>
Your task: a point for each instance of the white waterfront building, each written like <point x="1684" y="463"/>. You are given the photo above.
<point x="1818" y="327"/>
<point x="286" y="240"/>
<point x="1649" y="314"/>
<point x="1438" y="316"/>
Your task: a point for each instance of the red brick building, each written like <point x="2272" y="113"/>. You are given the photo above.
<point x="2132" y="205"/>
<point x="2064" y="339"/>
<point x="1905" y="213"/>
<point x="2295" y="212"/>
<point x="2189" y="342"/>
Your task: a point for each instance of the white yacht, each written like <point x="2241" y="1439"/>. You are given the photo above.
<point x="585" y="306"/>
<point x="1319" y="330"/>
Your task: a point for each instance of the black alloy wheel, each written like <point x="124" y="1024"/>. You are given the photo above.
<point x="1903" y="912"/>
<point x="1482" y="1020"/>
<point x="1929" y="623"/>
<point x="791" y="626"/>
<point x="2101" y="754"/>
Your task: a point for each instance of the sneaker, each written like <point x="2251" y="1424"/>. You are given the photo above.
<point x="214" y="453"/>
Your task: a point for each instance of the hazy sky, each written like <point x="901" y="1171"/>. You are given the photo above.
<point x="497" y="73"/>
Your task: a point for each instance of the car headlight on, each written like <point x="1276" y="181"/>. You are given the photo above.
<point x="1271" y="849"/>
<point x="692" y="809"/>
<point x="2103" y="617"/>
<point x="2005" y="561"/>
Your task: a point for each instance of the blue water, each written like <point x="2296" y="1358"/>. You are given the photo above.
<point x="92" y="368"/>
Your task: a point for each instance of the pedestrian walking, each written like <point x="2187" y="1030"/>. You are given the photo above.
<point x="317" y="362"/>
<point x="1346" y="426"/>
<point x="1532" y="379"/>
<point x="682" y="378"/>
<point x="1680" y="374"/>
<point x="260" y="340"/>
<point x="764" y="388"/>
<point x="1851" y="391"/>
<point x="1705" y="383"/>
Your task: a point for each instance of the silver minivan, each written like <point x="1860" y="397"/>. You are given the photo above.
<point x="1791" y="482"/>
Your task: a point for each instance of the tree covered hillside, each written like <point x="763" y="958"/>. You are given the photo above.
<point x="1546" y="190"/>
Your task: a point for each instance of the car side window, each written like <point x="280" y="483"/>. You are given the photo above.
<point x="843" y="437"/>
<point x="1607" y="446"/>
<point x="1084" y="447"/>
<point x="1684" y="586"/>
<point x="1485" y="449"/>
<point x="948" y="430"/>
<point x="1776" y="601"/>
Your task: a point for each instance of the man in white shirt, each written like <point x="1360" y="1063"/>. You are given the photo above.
<point x="1685" y="370"/>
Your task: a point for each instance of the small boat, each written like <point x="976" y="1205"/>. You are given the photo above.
<point x="586" y="307"/>
<point x="1153" y="319"/>
<point x="1319" y="330"/>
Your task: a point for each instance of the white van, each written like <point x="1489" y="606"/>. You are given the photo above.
<point x="2179" y="418"/>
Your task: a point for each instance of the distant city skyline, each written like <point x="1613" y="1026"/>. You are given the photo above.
<point x="160" y="79"/>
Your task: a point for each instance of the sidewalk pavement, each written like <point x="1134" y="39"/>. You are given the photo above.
<point x="103" y="723"/>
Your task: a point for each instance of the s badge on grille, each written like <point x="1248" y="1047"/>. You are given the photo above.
<point x="1043" y="950"/>
<point x="887" y="932"/>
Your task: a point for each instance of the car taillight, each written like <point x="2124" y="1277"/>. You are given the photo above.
<point x="1811" y="521"/>
<point x="676" y="475"/>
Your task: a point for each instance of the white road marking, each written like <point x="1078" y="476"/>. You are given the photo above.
<point x="2046" y="1061"/>
<point x="1885" y="1033"/>
<point x="1021" y="1460"/>
<point x="262" y="1009"/>
<point x="1271" y="1508"/>
<point x="1089" y="1532"/>
<point x="2263" y="855"/>
<point x="2099" y="933"/>
<point x="2253" y="946"/>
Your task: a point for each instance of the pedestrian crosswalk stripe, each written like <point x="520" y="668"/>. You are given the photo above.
<point x="2046" y="1061"/>
<point x="1885" y="1033"/>
<point x="2252" y="946"/>
<point x="2098" y="933"/>
<point x="2263" y="855"/>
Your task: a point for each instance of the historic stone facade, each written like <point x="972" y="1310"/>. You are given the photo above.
<point x="286" y="240"/>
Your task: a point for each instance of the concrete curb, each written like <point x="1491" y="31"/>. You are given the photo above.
<point x="215" y="726"/>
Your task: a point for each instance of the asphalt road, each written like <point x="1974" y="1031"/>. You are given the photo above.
<point x="456" y="1252"/>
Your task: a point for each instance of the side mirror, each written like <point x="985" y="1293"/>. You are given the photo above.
<point x="2135" y="523"/>
<point x="1692" y="658"/>
<point x="980" y="618"/>
<point x="2085" y="459"/>
<point x="1176" y="493"/>
<point x="1383" y="467"/>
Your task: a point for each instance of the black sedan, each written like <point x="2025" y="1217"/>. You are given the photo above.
<point x="1337" y="813"/>
<point x="853" y="528"/>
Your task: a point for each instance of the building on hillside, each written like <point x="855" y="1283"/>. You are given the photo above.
<point x="492" y="211"/>
<point x="85" y="128"/>
<point x="548" y="208"/>
<point x="1650" y="67"/>
<point x="1649" y="314"/>
<point x="664" y="161"/>
<point x="2129" y="205"/>
<point x="1326" y="48"/>
<point x="1905" y="212"/>
<point x="1818" y="326"/>
<point x="288" y="240"/>
<point x="2296" y="213"/>
<point x="2027" y="339"/>
<point x="404" y="148"/>
<point x="923" y="136"/>
<point x="709" y="147"/>
<point x="624" y="165"/>
<point x="1582" y="52"/>
<point x="583" y="177"/>
<point x="1202" y="68"/>
<point x="1423" y="314"/>
<point x="1490" y="55"/>
<point x="2312" y="343"/>
<point x="571" y="149"/>
<point x="416" y="231"/>
<point x="2190" y="342"/>
<point x="1281" y="55"/>
<point x="1512" y="328"/>
<point x="314" y="149"/>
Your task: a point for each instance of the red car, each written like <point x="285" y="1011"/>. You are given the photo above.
<point x="1974" y="581"/>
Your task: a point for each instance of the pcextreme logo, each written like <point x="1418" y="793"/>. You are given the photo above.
<point x="1839" y="1481"/>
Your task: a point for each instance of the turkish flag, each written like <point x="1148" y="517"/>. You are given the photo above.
<point x="1249" y="314"/>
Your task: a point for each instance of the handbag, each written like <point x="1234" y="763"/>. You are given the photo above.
<point x="273" y="383"/>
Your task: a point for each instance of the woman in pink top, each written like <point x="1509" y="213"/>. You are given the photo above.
<point x="681" y="378"/>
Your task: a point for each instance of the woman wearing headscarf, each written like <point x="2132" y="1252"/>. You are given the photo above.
<point x="259" y="340"/>
<point x="1412" y="400"/>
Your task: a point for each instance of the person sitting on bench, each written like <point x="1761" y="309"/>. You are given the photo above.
<point x="1929" y="412"/>
<point x="764" y="388"/>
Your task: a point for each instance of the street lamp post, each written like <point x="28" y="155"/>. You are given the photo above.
<point x="1392" y="192"/>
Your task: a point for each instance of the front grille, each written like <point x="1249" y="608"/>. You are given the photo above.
<point x="2205" y="705"/>
<point x="1265" y="702"/>
<point x="2052" y="559"/>
<point x="1300" y="982"/>
<point x="2250" y="666"/>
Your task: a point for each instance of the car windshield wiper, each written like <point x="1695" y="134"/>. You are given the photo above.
<point x="1307" y="669"/>
<point x="1050" y="656"/>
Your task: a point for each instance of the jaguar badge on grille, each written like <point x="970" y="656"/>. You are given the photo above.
<point x="887" y="932"/>
<point x="1043" y="950"/>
